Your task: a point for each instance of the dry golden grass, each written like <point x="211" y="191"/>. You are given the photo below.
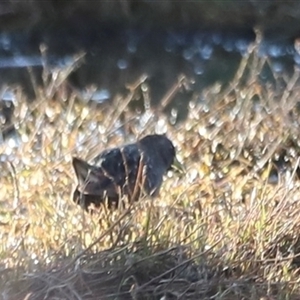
<point x="222" y="231"/>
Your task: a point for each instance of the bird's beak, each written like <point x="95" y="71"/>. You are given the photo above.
<point x="178" y="166"/>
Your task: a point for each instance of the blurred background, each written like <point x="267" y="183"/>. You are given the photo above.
<point x="121" y="40"/>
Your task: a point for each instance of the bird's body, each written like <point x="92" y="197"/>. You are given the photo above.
<point x="131" y="170"/>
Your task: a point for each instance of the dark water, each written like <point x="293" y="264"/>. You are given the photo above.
<point x="117" y="56"/>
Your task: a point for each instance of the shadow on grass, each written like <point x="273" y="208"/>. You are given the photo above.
<point x="135" y="271"/>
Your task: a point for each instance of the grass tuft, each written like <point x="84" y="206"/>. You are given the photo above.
<point x="225" y="230"/>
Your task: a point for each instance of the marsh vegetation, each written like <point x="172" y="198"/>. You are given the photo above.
<point x="228" y="229"/>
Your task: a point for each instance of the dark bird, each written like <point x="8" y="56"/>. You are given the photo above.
<point x="135" y="169"/>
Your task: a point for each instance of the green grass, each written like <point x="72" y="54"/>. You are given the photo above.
<point x="221" y="231"/>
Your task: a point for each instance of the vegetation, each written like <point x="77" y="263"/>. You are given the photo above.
<point x="221" y="231"/>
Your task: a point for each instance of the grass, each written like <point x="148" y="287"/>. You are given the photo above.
<point x="222" y="231"/>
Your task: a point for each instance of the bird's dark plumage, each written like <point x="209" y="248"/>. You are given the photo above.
<point x="131" y="170"/>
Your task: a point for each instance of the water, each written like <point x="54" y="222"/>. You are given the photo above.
<point x="118" y="56"/>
